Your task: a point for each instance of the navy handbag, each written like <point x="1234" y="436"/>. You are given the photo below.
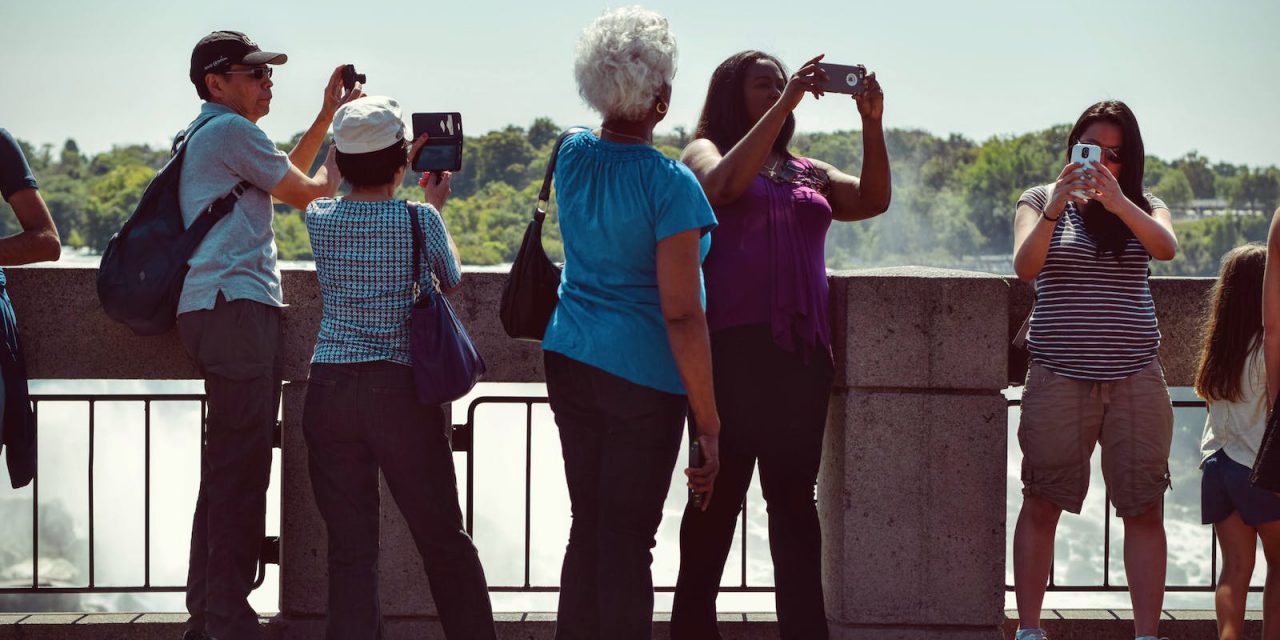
<point x="446" y="364"/>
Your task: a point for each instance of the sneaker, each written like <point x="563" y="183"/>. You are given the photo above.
<point x="1031" y="634"/>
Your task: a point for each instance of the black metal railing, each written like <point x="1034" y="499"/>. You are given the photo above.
<point x="269" y="554"/>
<point x="463" y="435"/>
<point x="463" y="442"/>
<point x="1106" y="586"/>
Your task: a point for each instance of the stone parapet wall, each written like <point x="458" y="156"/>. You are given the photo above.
<point x="912" y="488"/>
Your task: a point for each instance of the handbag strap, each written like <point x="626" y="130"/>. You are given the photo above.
<point x="416" y="232"/>
<point x="544" y="194"/>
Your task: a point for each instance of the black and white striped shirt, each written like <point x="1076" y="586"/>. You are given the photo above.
<point x="1094" y="318"/>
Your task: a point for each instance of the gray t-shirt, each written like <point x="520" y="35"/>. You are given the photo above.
<point x="238" y="257"/>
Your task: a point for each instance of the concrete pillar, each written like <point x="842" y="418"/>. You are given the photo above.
<point x="407" y="606"/>
<point x="912" y="488"/>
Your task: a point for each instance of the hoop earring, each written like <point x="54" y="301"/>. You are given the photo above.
<point x="661" y="107"/>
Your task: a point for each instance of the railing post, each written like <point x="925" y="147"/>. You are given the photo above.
<point x="912" y="489"/>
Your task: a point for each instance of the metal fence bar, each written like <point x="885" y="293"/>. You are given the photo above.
<point x="529" y="402"/>
<point x="92" y="540"/>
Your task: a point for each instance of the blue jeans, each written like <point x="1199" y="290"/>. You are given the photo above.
<point x="360" y="418"/>
<point x="620" y="442"/>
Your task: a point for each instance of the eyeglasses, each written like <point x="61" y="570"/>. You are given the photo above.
<point x="257" y="73"/>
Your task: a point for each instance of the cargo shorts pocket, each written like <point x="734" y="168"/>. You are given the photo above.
<point x="1055" y="450"/>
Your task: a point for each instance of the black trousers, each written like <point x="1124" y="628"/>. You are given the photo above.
<point x="235" y="346"/>
<point x="773" y="409"/>
<point x="620" y="442"/>
<point x="359" y="418"/>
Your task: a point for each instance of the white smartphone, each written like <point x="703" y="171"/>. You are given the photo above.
<point x="1087" y="155"/>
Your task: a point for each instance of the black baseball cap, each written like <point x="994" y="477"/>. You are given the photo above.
<point x="221" y="49"/>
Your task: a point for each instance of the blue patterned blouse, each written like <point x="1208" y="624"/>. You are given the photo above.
<point x="363" y="259"/>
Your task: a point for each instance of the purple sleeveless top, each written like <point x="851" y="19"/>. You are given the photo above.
<point x="767" y="263"/>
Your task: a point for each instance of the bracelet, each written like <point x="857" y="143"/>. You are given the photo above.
<point x="1053" y="220"/>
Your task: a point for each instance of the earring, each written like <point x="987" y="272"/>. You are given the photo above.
<point x="661" y="107"/>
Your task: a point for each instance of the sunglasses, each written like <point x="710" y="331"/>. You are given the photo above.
<point x="257" y="73"/>
<point x="1108" y="153"/>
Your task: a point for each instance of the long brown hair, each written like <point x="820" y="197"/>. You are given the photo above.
<point x="1107" y="229"/>
<point x="724" y="119"/>
<point x="1233" y="324"/>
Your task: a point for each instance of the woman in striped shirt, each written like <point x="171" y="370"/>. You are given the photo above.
<point x="1085" y="241"/>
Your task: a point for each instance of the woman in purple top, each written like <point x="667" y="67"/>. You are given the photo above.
<point x="766" y="283"/>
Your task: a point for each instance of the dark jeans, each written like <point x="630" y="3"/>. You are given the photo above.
<point x="773" y="408"/>
<point x="234" y="345"/>
<point x="620" y="442"/>
<point x="363" y="417"/>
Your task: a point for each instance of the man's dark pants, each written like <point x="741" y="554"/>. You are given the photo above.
<point x="235" y="346"/>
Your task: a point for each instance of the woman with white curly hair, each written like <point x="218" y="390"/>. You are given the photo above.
<point x="626" y="352"/>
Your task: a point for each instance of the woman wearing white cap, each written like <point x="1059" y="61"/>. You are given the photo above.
<point x="361" y="413"/>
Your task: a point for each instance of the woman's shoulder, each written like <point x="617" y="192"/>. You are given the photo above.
<point x="1037" y="197"/>
<point x="321" y="206"/>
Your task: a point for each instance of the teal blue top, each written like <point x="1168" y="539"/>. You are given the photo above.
<point x="616" y="203"/>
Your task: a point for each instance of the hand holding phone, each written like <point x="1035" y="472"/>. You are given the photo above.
<point x="844" y="78"/>
<point x="350" y="77"/>
<point x="695" y="462"/>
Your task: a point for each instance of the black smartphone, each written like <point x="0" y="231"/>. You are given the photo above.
<point x="443" y="150"/>
<point x="844" y="78"/>
<point x="695" y="462"/>
<point x="350" y="77"/>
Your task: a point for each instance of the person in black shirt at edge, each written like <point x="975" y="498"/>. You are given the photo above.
<point x="37" y="242"/>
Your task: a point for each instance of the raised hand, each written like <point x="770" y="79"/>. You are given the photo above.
<point x="871" y="102"/>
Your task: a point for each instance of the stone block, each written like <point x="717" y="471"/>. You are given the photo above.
<point x="917" y="328"/>
<point x="912" y="501"/>
<point x="66" y="335"/>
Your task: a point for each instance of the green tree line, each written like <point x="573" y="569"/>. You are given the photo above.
<point x="953" y="198"/>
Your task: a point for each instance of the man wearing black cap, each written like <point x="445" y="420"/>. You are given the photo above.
<point x="229" y="313"/>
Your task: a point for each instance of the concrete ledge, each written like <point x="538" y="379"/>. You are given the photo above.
<point x="1117" y="624"/>
<point x="152" y="626"/>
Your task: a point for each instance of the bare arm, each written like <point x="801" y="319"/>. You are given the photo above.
<point x="868" y="196"/>
<point x="297" y="189"/>
<point x="38" y="241"/>
<point x="1271" y="309"/>
<point x="304" y="153"/>
<point x="436" y="194"/>
<point x="1033" y="231"/>
<point x="1154" y="231"/>
<point x="679" y="293"/>
<point x="725" y="177"/>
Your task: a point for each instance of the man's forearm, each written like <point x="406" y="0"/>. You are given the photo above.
<point x="304" y="153"/>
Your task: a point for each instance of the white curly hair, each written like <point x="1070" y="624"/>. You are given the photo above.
<point x="622" y="61"/>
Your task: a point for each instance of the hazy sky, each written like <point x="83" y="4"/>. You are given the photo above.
<point x="1200" y="75"/>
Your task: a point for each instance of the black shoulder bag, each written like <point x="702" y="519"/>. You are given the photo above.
<point x="531" y="293"/>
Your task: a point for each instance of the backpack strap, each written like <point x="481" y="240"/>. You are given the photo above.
<point x="222" y="206"/>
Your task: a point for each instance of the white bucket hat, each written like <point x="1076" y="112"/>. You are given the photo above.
<point x="370" y="123"/>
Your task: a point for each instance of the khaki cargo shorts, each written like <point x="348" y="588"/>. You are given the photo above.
<point x="1063" y="418"/>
